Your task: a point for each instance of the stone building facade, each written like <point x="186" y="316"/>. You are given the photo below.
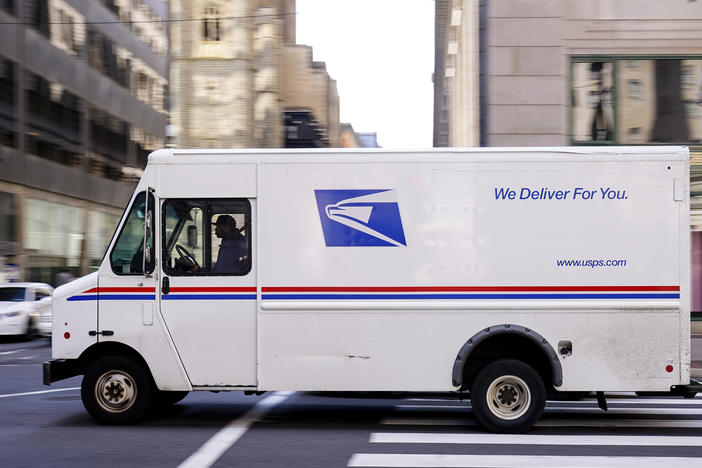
<point x="308" y="87"/>
<point x="456" y="72"/>
<point x="236" y="69"/>
<point x="559" y="72"/>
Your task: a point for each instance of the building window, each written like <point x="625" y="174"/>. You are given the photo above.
<point x="67" y="31"/>
<point x="210" y="24"/>
<point x="635" y="89"/>
<point x="642" y="101"/>
<point x="635" y="135"/>
<point x="36" y="13"/>
<point x="8" y="6"/>
<point x="53" y="229"/>
<point x="593" y="111"/>
<point x="7" y="217"/>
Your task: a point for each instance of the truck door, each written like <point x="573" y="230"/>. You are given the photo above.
<point x="126" y="284"/>
<point x="208" y="288"/>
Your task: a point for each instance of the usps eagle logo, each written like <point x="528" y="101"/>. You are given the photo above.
<point x="361" y="218"/>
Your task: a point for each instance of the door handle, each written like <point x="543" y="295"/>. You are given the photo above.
<point x="166" y="285"/>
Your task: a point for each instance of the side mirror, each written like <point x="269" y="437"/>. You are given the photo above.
<point x="192" y="236"/>
<point x="147" y="234"/>
<point x="147" y="223"/>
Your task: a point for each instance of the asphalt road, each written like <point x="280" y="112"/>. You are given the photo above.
<point x="50" y="428"/>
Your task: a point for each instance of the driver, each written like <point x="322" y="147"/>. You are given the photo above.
<point x="232" y="250"/>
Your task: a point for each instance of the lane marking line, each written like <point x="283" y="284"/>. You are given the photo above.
<point x="5" y="353"/>
<point x="381" y="460"/>
<point x="532" y="439"/>
<point x="219" y="443"/>
<point x="39" y="392"/>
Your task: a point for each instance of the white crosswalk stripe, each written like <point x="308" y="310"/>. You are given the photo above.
<point x="671" y="428"/>
<point x="579" y="422"/>
<point x="529" y="439"/>
<point x="396" y="460"/>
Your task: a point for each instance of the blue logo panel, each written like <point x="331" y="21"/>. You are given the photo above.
<point x="361" y="218"/>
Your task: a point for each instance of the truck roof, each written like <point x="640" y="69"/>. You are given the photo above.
<point x="309" y="155"/>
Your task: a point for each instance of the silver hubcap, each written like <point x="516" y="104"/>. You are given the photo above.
<point x="115" y="391"/>
<point x="508" y="397"/>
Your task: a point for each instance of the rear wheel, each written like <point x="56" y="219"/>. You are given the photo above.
<point x="508" y="396"/>
<point x="116" y="390"/>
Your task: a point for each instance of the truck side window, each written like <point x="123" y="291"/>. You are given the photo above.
<point x="206" y="237"/>
<point x="128" y="252"/>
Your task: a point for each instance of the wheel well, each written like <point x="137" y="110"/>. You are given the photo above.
<point x="110" y="348"/>
<point x="506" y="346"/>
<point x="506" y="342"/>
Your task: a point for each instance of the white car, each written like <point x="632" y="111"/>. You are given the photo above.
<point x="25" y="309"/>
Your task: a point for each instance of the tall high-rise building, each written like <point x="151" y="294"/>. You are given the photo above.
<point x="239" y="80"/>
<point x="83" y="86"/>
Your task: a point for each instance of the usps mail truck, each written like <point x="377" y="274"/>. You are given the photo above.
<point x="517" y="275"/>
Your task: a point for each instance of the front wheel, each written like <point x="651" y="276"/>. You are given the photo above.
<point x="30" y="331"/>
<point x="116" y="390"/>
<point x="508" y="396"/>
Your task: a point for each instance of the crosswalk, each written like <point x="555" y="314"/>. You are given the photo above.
<point x="635" y="432"/>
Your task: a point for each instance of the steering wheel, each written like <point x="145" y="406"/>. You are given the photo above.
<point x="186" y="257"/>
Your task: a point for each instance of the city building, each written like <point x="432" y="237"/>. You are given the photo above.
<point x="456" y="93"/>
<point x="83" y="86"/>
<point x="349" y="138"/>
<point x="368" y="139"/>
<point x="573" y="72"/>
<point x="307" y="87"/>
<point x="560" y="72"/>
<point x="352" y="139"/>
<point x="239" y="80"/>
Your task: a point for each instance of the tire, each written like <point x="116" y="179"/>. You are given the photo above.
<point x="31" y="331"/>
<point x="164" y="399"/>
<point x="116" y="390"/>
<point x="508" y="396"/>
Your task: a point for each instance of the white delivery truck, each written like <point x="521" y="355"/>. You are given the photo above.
<point x="515" y="274"/>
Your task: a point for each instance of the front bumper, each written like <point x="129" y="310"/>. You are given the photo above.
<point x="60" y="369"/>
<point x="16" y="325"/>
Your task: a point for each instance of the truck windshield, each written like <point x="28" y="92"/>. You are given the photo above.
<point x="12" y="294"/>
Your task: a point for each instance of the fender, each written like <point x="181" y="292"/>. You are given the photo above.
<point x="482" y="335"/>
